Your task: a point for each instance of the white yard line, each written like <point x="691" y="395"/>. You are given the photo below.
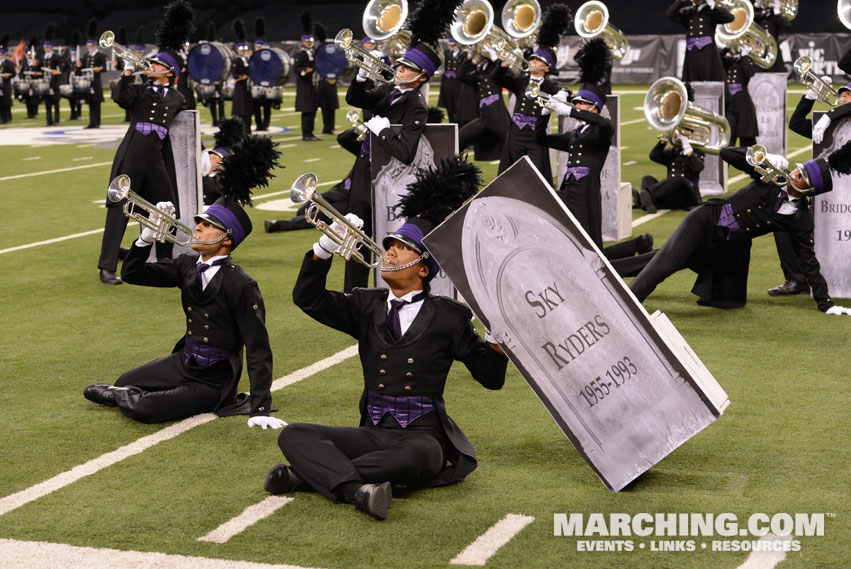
<point x="29" y="554"/>
<point x="649" y="217"/>
<point x="63" y="479"/>
<point x="49" y="241"/>
<point x="487" y="544"/>
<point x="634" y="121"/>
<point x="630" y="163"/>
<point x="60" y="170"/>
<point x="765" y="559"/>
<point x="250" y="516"/>
<point x="282" y="192"/>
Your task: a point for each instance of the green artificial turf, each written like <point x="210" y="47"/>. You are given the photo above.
<point x="781" y="446"/>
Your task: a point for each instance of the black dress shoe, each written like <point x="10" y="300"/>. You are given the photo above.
<point x="100" y="393"/>
<point x="109" y="277"/>
<point x="374" y="499"/>
<point x="789" y="288"/>
<point x="636" y="201"/>
<point x="646" y="201"/>
<point x="310" y="138"/>
<point x="271" y="225"/>
<point x="123" y="252"/>
<point x="282" y="479"/>
<point x="644" y="243"/>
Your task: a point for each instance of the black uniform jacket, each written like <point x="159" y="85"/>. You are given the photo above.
<point x="305" y="94"/>
<point x="740" y="108"/>
<point x="492" y="109"/>
<point x="57" y="62"/>
<point x="229" y="313"/>
<point x="419" y="362"/>
<point x="89" y="62"/>
<point x="802" y="125"/>
<point x="679" y="165"/>
<point x="6" y="86"/>
<point x="773" y="24"/>
<point x="753" y="208"/>
<point x="591" y="147"/>
<point x="242" y="101"/>
<point x="700" y="64"/>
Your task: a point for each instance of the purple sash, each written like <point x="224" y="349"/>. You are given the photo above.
<point x="578" y="172"/>
<point x="489" y="100"/>
<point x="451" y="74"/>
<point x="522" y="121"/>
<point x="698" y="42"/>
<point x="728" y="221"/>
<point x="405" y="409"/>
<point x="204" y="354"/>
<point x="147" y="128"/>
<point x="734" y="88"/>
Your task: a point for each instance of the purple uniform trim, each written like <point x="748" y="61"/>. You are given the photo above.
<point x="147" y="128"/>
<point x="420" y="60"/>
<point x="169" y="60"/>
<point x="229" y="220"/>
<point x="698" y="42"/>
<point x="545" y="56"/>
<point x="728" y="221"/>
<point x="525" y="121"/>
<point x="451" y="74"/>
<point x="814" y="175"/>
<point x="734" y="88"/>
<point x="204" y="354"/>
<point x="405" y="409"/>
<point x="578" y="172"/>
<point x="589" y="96"/>
<point x="489" y="100"/>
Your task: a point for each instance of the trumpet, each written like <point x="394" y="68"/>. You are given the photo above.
<point x="824" y="92"/>
<point x="376" y="69"/>
<point x="541" y="98"/>
<point x="107" y="39"/>
<point x="756" y="157"/>
<point x="156" y="220"/>
<point x="474" y="25"/>
<point x="350" y="241"/>
<point x="667" y="109"/>
<point x="592" y="20"/>
<point x="744" y="31"/>
<point x="354" y="119"/>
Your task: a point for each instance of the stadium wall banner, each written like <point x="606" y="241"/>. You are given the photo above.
<point x="622" y="385"/>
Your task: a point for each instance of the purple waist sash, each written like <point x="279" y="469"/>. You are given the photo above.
<point x="489" y="100"/>
<point x="147" y="128"/>
<point x="405" y="409"/>
<point x="525" y="121"/>
<point x="728" y="221"/>
<point x="734" y="88"/>
<point x="449" y="73"/>
<point x="698" y="42"/>
<point x="204" y="354"/>
<point x="577" y="172"/>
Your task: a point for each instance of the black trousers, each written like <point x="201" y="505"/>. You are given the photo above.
<point x="307" y="121"/>
<point x="51" y="107"/>
<point x="167" y="390"/>
<point x="262" y="114"/>
<point x="671" y="193"/>
<point x="113" y="233"/>
<point x="5" y="114"/>
<point x="334" y="461"/>
<point x="217" y="110"/>
<point x="94" y="114"/>
<point x="328" y="120"/>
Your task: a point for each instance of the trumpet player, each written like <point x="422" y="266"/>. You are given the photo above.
<point x="304" y="68"/>
<point x="143" y="153"/>
<point x="225" y="315"/>
<point x="680" y="189"/>
<point x="699" y="18"/>
<point x="93" y="64"/>
<point x="769" y="16"/>
<point x="714" y="239"/>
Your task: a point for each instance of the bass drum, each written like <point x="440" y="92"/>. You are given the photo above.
<point x="330" y="61"/>
<point x="269" y="67"/>
<point x="209" y="62"/>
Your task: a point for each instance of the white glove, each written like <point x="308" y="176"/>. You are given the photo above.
<point x="838" y="310"/>
<point x="561" y="109"/>
<point x="362" y="75"/>
<point x="377" y="123"/>
<point x="775" y="6"/>
<point x="710" y="3"/>
<point x="129" y="66"/>
<point x="326" y="246"/>
<point x="685" y="144"/>
<point x="562" y="95"/>
<point x="490" y="53"/>
<point x="819" y="128"/>
<point x="490" y="338"/>
<point x="811" y="94"/>
<point x="148" y="234"/>
<point x="545" y="111"/>
<point x="205" y="163"/>
<point x="777" y="161"/>
<point x="377" y="53"/>
<point x="744" y="50"/>
<point x="266" y="422"/>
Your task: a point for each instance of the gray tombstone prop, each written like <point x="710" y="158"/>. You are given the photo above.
<point x="390" y="179"/>
<point x="769" y="89"/>
<point x="710" y="96"/>
<point x="623" y="386"/>
<point x="617" y="211"/>
<point x="185" y="139"/>
<point x="831" y="213"/>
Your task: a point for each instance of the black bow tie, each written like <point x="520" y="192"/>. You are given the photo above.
<point x="199" y="270"/>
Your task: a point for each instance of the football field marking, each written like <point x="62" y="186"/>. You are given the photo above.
<point x="250" y="516"/>
<point x="18" y="499"/>
<point x="29" y="554"/>
<point x="487" y="544"/>
<point x="59" y="171"/>
<point x="765" y="559"/>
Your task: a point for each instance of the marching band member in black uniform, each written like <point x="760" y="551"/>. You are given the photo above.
<point x="243" y="105"/>
<point x="94" y="62"/>
<point x="408" y="340"/>
<point x="143" y="153"/>
<point x="450" y="85"/>
<point x="303" y="66"/>
<point x="7" y="71"/>
<point x="53" y="67"/>
<point x="29" y="70"/>
<point x="262" y="106"/>
<point x="224" y="314"/>
<point x="326" y="88"/>
<point x="681" y="188"/>
<point x="769" y="16"/>
<point x="699" y="18"/>
<point x="401" y="103"/>
<point x="231" y="132"/>
<point x="486" y="133"/>
<point x="528" y="125"/>
<point x="76" y="98"/>
<point x="714" y="239"/>
<point x="740" y="110"/>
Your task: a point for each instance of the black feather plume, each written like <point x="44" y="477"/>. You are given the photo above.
<point x="49" y="32"/>
<point x="439" y="191"/>
<point x="231" y="131"/>
<point x="239" y="30"/>
<point x="33" y="41"/>
<point x="840" y="160"/>
<point x="429" y="21"/>
<point x="320" y="34"/>
<point x="4" y="42"/>
<point x="211" y="31"/>
<point x="140" y="35"/>
<point x="92" y="29"/>
<point x="176" y="25"/>
<point x="594" y="58"/>
<point x="435" y="115"/>
<point x="259" y="28"/>
<point x="122" y="35"/>
<point x="250" y="166"/>
<point x="306" y="22"/>
<point x="75" y="37"/>
<point x="554" y="24"/>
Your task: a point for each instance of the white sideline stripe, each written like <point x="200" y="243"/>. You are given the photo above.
<point x="273" y="194"/>
<point x="49" y="241"/>
<point x="312" y="160"/>
<point x="18" y="176"/>
<point x="63" y="479"/>
<point x="487" y="544"/>
<point x="765" y="559"/>
<point x="636" y="121"/>
<point x="29" y="554"/>
<point x="250" y="516"/>
<point x="649" y="217"/>
<point x="630" y="163"/>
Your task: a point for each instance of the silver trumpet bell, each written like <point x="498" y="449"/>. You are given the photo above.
<point x="843" y="10"/>
<point x="474" y="25"/>
<point x="376" y="69"/>
<point x="667" y="109"/>
<point x="107" y="40"/>
<point x="824" y="92"/>
<point x="744" y="31"/>
<point x="156" y="220"/>
<point x="354" y="119"/>
<point x="592" y="20"/>
<point x="541" y="99"/>
<point x="350" y="241"/>
<point x="755" y="156"/>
